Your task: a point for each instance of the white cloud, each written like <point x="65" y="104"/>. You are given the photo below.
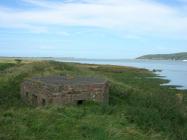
<point x="135" y="17"/>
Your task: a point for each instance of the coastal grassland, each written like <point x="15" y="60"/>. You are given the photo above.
<point x="139" y="108"/>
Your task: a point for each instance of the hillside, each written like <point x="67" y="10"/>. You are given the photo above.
<point x="175" y="56"/>
<point x="139" y="108"/>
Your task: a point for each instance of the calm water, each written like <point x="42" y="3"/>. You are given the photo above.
<point x="175" y="71"/>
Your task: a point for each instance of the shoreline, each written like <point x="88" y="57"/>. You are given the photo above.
<point x="156" y="71"/>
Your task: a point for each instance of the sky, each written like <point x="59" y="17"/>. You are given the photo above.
<point x="112" y="29"/>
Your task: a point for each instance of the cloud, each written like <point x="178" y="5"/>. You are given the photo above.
<point x="136" y="17"/>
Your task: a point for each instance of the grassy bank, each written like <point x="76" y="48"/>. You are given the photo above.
<point x="139" y="109"/>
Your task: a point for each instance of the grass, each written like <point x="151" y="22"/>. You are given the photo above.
<point x="139" y="108"/>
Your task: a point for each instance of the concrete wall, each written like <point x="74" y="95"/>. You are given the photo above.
<point x="73" y="94"/>
<point x="37" y="94"/>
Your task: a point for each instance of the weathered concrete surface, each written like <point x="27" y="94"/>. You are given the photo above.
<point x="60" y="90"/>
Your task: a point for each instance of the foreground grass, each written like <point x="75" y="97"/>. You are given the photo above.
<point x="139" y="109"/>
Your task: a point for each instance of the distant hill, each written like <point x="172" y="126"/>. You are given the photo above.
<point x="174" y="56"/>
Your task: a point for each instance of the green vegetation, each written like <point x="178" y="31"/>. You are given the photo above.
<point x="4" y="66"/>
<point x="18" y="61"/>
<point x="175" y="56"/>
<point x="139" y="109"/>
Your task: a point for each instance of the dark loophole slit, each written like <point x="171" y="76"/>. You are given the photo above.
<point x="80" y="102"/>
<point x="43" y="102"/>
<point x="27" y="94"/>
